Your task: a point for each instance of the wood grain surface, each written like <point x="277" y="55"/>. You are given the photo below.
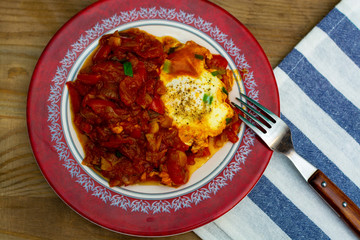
<point x="29" y="209"/>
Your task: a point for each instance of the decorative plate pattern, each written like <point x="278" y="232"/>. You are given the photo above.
<point x="102" y="204"/>
<point x="57" y="132"/>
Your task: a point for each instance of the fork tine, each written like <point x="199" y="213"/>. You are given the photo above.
<point x="249" y="124"/>
<point x="257" y="112"/>
<point x="250" y="116"/>
<point x="271" y="114"/>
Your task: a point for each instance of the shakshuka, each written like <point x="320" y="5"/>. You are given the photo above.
<point x="148" y="108"/>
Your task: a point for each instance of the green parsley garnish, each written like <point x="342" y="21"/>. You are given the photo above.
<point x="215" y="73"/>
<point x="198" y="56"/>
<point x="97" y="168"/>
<point x="207" y="98"/>
<point x="211" y="99"/>
<point x="167" y="65"/>
<point x="128" y="69"/>
<point x="224" y="91"/>
<point x="171" y="50"/>
<point x="218" y="72"/>
<point x="228" y="120"/>
<point x="118" y="154"/>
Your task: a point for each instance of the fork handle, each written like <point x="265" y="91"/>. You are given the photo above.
<point x="341" y="203"/>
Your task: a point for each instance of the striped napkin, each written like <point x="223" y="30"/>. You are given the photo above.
<point x="319" y="86"/>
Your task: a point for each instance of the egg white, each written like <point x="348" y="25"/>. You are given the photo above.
<point x="197" y="106"/>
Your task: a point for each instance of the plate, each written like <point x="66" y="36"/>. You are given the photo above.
<point x="145" y="210"/>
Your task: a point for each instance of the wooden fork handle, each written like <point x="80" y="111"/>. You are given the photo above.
<point x="341" y="203"/>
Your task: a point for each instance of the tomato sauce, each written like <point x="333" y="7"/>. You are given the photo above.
<point x="117" y="108"/>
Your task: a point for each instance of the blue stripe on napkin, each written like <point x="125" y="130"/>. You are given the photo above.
<point x="344" y="33"/>
<point x="309" y="151"/>
<point x="282" y="211"/>
<point x="322" y="92"/>
<point x="315" y="221"/>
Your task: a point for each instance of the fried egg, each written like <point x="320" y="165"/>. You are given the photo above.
<point x="195" y="98"/>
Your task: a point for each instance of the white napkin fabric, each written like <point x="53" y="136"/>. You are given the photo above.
<point x="319" y="86"/>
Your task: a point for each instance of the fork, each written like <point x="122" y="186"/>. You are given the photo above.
<point x="277" y="136"/>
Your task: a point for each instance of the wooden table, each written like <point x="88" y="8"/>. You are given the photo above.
<point x="29" y="208"/>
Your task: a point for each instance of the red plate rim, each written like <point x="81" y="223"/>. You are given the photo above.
<point x="100" y="207"/>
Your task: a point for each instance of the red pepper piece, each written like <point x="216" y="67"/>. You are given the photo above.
<point x="157" y="105"/>
<point x="235" y="126"/>
<point x="102" y="53"/>
<point x="176" y="165"/>
<point x="98" y="105"/>
<point x="116" y="141"/>
<point x="231" y="135"/>
<point x="218" y="62"/>
<point x="87" y="78"/>
<point x="75" y="97"/>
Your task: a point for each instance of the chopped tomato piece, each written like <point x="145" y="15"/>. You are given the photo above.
<point x="88" y="78"/>
<point x="218" y="62"/>
<point x="112" y="71"/>
<point x="116" y="141"/>
<point x="135" y="132"/>
<point x="102" y="53"/>
<point x="98" y="105"/>
<point x="191" y="159"/>
<point x="176" y="165"/>
<point x="157" y="105"/>
<point x="74" y="97"/>
<point x="81" y="123"/>
<point x="143" y="98"/>
<point x="204" y="152"/>
<point x="231" y="135"/>
<point x="235" y="126"/>
<point x="129" y="87"/>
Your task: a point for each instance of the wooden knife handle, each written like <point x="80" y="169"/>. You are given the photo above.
<point x="341" y="203"/>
